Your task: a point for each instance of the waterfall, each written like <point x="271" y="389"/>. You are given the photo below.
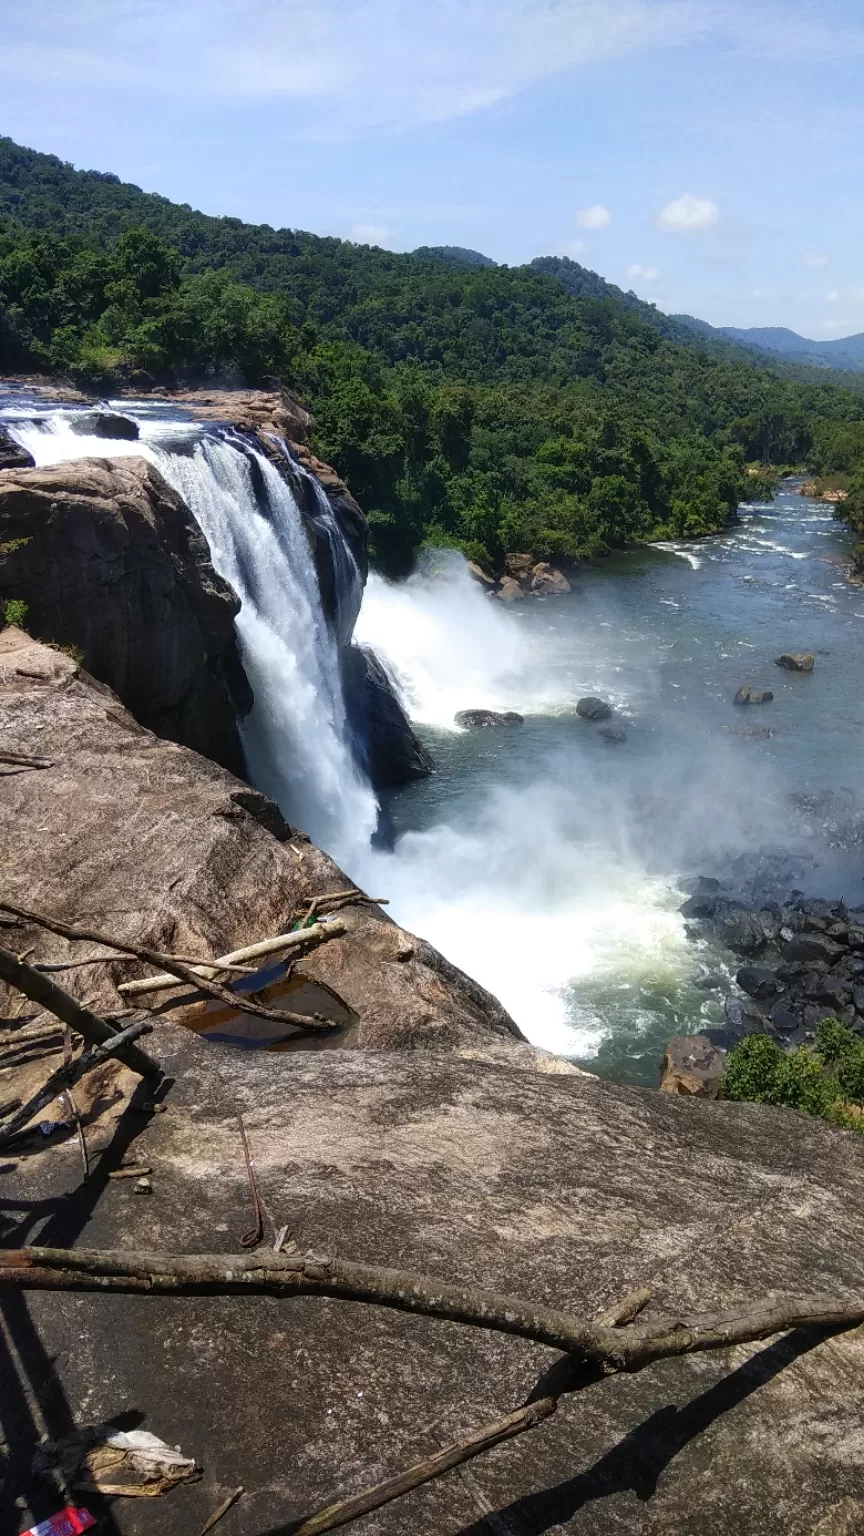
<point x="296" y="740"/>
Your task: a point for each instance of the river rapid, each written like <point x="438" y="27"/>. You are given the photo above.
<point x="544" y="859"/>
<point x="549" y="862"/>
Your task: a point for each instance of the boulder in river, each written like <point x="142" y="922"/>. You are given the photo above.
<point x="592" y="708"/>
<point x="391" y="751"/>
<point x="12" y="455"/>
<point x="796" y="661"/>
<point x="758" y="981"/>
<point x="519" y="566"/>
<point x="748" y="695"/>
<point x="477" y="573"/>
<point x="692" y="1066"/>
<point x="546" y="581"/>
<point x="107" y="424"/>
<point x="483" y="719"/>
<point x="509" y="590"/>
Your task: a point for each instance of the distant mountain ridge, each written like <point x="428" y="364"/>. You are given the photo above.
<point x="846" y="352"/>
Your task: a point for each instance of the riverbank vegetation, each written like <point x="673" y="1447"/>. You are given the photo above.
<point x="826" y="1079"/>
<point x="473" y="405"/>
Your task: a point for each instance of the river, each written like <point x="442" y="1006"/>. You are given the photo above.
<point x="546" y="860"/>
<point x="549" y="862"/>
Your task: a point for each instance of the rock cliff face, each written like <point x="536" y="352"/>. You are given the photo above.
<point x="146" y="839"/>
<point x="110" y="560"/>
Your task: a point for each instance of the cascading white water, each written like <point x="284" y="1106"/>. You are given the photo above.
<point x="296" y="738"/>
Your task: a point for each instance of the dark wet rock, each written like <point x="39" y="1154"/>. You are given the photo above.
<point x="612" y="734"/>
<point x="592" y="708"/>
<point x="769" y="919"/>
<point x="711" y="983"/>
<point x="693" y="1067"/>
<point x="743" y="1015"/>
<point x="826" y="988"/>
<point x="748" y="695"/>
<point x="12" y="455"/>
<point x="786" y="1019"/>
<point x="724" y="1039"/>
<point x="483" y="719"/>
<point x="796" y="661"/>
<point x="742" y="932"/>
<point x="791" y="972"/>
<point x="388" y="747"/>
<point x="858" y="999"/>
<point x="812" y="947"/>
<point x="814" y="1015"/>
<point x="855" y="938"/>
<point x="758" y="981"/>
<point x="701" y="885"/>
<point x="108" y="424"/>
<point x="743" y="694"/>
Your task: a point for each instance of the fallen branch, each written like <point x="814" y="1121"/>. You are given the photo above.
<point x="178" y="968"/>
<point x="61" y="1081"/>
<point x="23" y="760"/>
<point x="222" y="1510"/>
<point x="311" y="936"/>
<point x="94" y="1029"/>
<point x="462" y="1450"/>
<point x="267" y="1273"/>
<point x="507" y="1427"/>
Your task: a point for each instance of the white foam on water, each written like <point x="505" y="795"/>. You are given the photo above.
<point x="681" y="551"/>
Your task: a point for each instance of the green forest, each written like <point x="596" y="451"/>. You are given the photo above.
<point x="481" y="406"/>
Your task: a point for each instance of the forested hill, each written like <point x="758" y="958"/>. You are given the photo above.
<point x="479" y="405"/>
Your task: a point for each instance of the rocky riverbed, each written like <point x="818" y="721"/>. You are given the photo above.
<point x="804" y="961"/>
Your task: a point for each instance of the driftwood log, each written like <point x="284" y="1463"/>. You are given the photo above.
<point x="317" y="934"/>
<point x="91" y="1026"/>
<point x="178" y="969"/>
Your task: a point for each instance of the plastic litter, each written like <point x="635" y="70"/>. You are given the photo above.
<point x="102" y="1459"/>
<point x="67" y="1522"/>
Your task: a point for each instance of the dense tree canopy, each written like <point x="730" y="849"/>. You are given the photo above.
<point x="490" y="407"/>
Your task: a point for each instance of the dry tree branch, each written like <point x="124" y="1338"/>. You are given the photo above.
<point x="94" y="1029"/>
<point x="317" y="934"/>
<point x="233" y="1000"/>
<point x="464" y="1449"/>
<point x="70" y="1073"/>
<point x="628" y="1348"/>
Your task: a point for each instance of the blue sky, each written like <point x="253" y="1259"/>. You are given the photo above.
<point x="708" y="155"/>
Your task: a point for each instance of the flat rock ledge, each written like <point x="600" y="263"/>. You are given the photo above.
<point x="561" y="1189"/>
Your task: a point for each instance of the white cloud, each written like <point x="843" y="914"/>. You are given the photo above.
<point x="365" y="62"/>
<point x="595" y="217"/>
<point x="814" y="259"/>
<point x="639" y="274"/>
<point x="832" y="297"/>
<point x="688" y="214"/>
<point x="370" y="234"/>
<point x="348" y="65"/>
